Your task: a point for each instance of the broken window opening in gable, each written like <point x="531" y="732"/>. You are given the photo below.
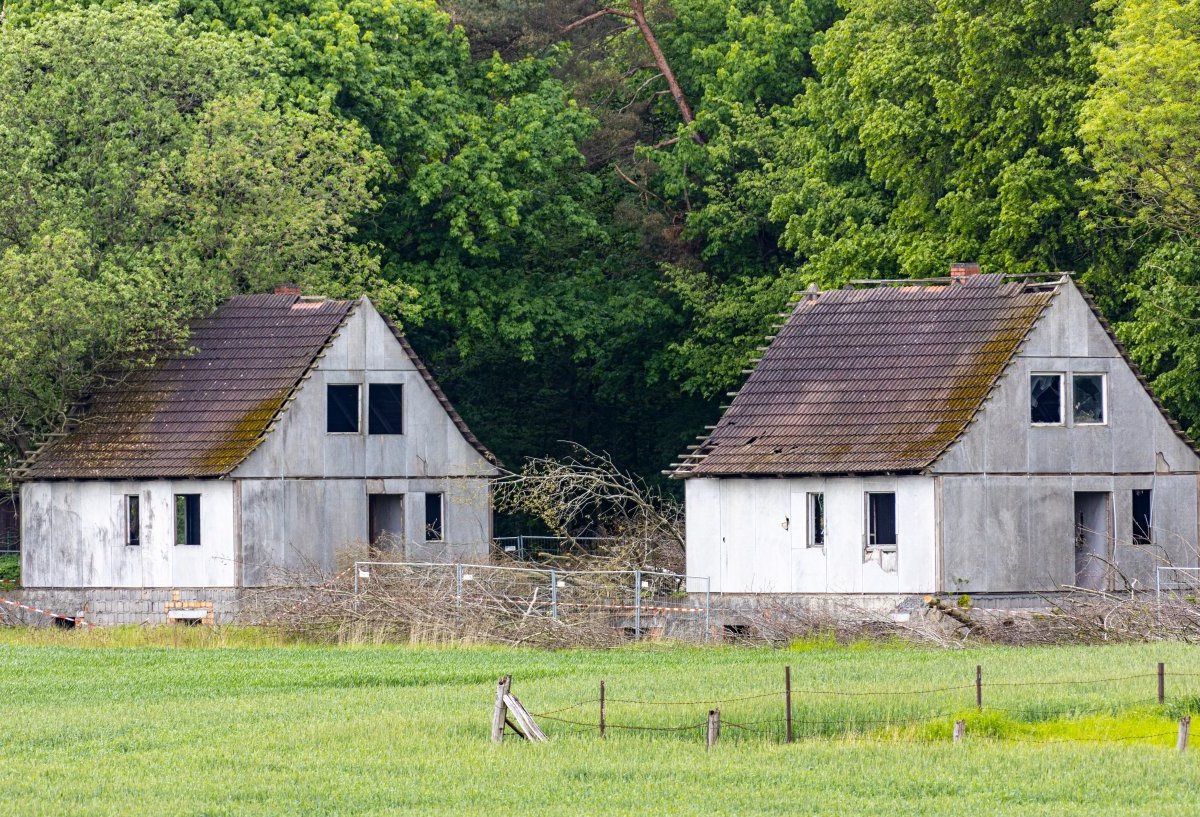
<point x="187" y="519"/>
<point x="1045" y="399"/>
<point x="342" y="408"/>
<point x="1143" y="508"/>
<point x="434" y="508"/>
<point x="386" y="408"/>
<point x="1087" y="399"/>
<point x="133" y="520"/>
<point x="816" y="520"/>
<point x="881" y="520"/>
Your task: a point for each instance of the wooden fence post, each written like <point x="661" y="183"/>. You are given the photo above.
<point x="602" y="708"/>
<point x="1162" y="682"/>
<point x="714" y="727"/>
<point x="1185" y="726"/>
<point x="787" y="696"/>
<point x="500" y="713"/>
<point x="979" y="686"/>
<point x="960" y="730"/>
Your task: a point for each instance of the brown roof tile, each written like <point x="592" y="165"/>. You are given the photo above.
<point x="871" y="380"/>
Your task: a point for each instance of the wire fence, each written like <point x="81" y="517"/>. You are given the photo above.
<point x="641" y="602"/>
<point x="922" y="714"/>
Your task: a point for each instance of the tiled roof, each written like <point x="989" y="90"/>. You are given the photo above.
<point x="200" y="414"/>
<point x="876" y="380"/>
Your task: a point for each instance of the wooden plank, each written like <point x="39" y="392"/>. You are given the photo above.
<point x="500" y="714"/>
<point x="1185" y="727"/>
<point x="714" y="727"/>
<point x="529" y="728"/>
<point x="960" y="730"/>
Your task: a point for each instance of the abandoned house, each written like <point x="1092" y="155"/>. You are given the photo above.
<point x="976" y="434"/>
<point x="295" y="432"/>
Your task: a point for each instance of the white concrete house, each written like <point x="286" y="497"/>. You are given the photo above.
<point x="976" y="434"/>
<point x="296" y="432"/>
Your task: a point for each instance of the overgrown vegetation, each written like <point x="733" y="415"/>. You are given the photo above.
<point x="280" y="731"/>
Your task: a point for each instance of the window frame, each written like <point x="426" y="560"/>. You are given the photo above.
<point x="371" y="415"/>
<point x="441" y="517"/>
<point x="1062" y="393"/>
<point x="867" y="534"/>
<point x="1103" y="399"/>
<point x="814" y="503"/>
<point x="1147" y="536"/>
<point x="187" y="513"/>
<point x="358" y="412"/>
<point x="132" y="506"/>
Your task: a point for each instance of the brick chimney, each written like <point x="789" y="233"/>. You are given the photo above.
<point x="287" y="289"/>
<point x="963" y="269"/>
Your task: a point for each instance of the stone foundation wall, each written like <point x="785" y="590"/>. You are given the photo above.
<point x="109" y="606"/>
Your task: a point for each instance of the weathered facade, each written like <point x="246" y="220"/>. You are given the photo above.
<point x="976" y="435"/>
<point x="300" y="433"/>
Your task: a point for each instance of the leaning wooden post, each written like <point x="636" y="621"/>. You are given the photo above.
<point x="1185" y="726"/>
<point x="1162" y="682"/>
<point x="787" y="697"/>
<point x="602" y="709"/>
<point x="714" y="727"/>
<point x="979" y="686"/>
<point x="960" y="730"/>
<point x="500" y="713"/>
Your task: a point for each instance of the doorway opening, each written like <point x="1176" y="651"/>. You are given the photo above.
<point x="1093" y="539"/>
<point x="385" y="522"/>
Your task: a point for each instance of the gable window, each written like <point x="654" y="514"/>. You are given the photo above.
<point x="816" y="520"/>
<point x="1143" y="506"/>
<point x="1088" y="399"/>
<point x="341" y="409"/>
<point x="434" y="521"/>
<point x="386" y="408"/>
<point x="1045" y="399"/>
<point x="187" y="519"/>
<point x="881" y="520"/>
<point x="133" y="520"/>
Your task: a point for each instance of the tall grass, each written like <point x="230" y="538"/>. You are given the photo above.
<point x="107" y="724"/>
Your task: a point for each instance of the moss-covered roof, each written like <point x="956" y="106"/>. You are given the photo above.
<point x="874" y="380"/>
<point x="200" y="413"/>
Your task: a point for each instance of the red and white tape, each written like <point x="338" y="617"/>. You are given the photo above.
<point x="72" y="619"/>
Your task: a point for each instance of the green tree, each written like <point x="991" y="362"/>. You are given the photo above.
<point x="148" y="170"/>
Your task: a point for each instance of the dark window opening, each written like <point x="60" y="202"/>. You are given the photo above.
<point x="187" y="519"/>
<point x="816" y="520"/>
<point x="881" y="520"/>
<point x="341" y="409"/>
<point x="1087" y="398"/>
<point x="1045" y="398"/>
<point x="1142" y="509"/>
<point x="433" y="518"/>
<point x="64" y="623"/>
<point x="386" y="410"/>
<point x="133" y="520"/>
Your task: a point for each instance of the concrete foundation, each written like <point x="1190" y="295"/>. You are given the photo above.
<point x="111" y="606"/>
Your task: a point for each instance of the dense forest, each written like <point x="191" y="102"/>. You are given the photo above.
<point x="586" y="217"/>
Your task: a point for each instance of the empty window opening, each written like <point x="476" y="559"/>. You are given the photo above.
<point x="736" y="632"/>
<point x="385" y="521"/>
<point x="64" y="622"/>
<point x="881" y="520"/>
<point x="1045" y="399"/>
<point x="133" y="520"/>
<point x="341" y="409"/>
<point x="816" y="520"/>
<point x="434" y="510"/>
<point x="187" y="519"/>
<point x="1087" y="399"/>
<point x="1143" y="506"/>
<point x="386" y="409"/>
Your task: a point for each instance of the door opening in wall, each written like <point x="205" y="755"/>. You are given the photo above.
<point x="1093" y="540"/>
<point x="385" y="523"/>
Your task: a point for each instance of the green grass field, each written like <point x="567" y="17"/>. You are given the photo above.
<point x="107" y="723"/>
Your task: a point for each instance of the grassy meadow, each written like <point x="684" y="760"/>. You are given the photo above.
<point x="233" y="722"/>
